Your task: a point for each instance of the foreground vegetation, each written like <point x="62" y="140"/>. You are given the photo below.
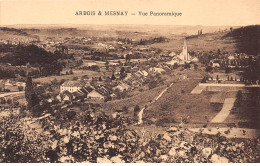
<point x="94" y="137"/>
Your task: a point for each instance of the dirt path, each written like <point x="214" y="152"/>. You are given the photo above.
<point x="198" y="89"/>
<point x="140" y="115"/>
<point x="11" y="93"/>
<point x="225" y="111"/>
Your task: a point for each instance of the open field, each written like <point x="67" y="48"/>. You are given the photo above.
<point x="177" y="102"/>
<point x="246" y="112"/>
<point x="140" y="99"/>
<point x="69" y="77"/>
<point x="204" y="43"/>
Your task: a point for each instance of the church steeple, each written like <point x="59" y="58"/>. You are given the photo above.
<point x="184" y="54"/>
<point x="185" y="49"/>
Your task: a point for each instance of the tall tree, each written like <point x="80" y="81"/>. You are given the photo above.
<point x="29" y="92"/>
<point x="128" y="58"/>
<point x="122" y="73"/>
<point x="113" y="77"/>
<point x="107" y="65"/>
<point x="30" y="95"/>
<point x="136" y="111"/>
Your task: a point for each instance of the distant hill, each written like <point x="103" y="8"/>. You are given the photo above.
<point x="29" y="54"/>
<point x="38" y="57"/>
<point x="13" y="30"/>
<point x="247" y="39"/>
<point x="9" y="33"/>
<point x="114" y="30"/>
<point x="241" y="39"/>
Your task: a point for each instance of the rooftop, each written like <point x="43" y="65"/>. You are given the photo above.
<point x="72" y="83"/>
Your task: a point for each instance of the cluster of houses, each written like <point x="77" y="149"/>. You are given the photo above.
<point x="15" y="41"/>
<point x="8" y="85"/>
<point x="236" y="60"/>
<point x="11" y="91"/>
<point x="73" y="90"/>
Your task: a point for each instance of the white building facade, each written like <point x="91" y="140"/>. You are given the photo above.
<point x="71" y="86"/>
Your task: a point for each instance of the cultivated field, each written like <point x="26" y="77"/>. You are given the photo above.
<point x="204" y="43"/>
<point x="67" y="77"/>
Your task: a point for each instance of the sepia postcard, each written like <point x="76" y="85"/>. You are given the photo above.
<point x="129" y="81"/>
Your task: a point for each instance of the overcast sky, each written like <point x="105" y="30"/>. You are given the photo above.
<point x="194" y="12"/>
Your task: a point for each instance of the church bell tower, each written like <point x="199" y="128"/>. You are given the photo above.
<point x="184" y="54"/>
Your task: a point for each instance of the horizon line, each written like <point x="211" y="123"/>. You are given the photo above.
<point x="66" y="24"/>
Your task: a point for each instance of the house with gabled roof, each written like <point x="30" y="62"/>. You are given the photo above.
<point x="65" y="96"/>
<point x="95" y="95"/>
<point x="121" y="87"/>
<point x="86" y="89"/>
<point x="155" y="70"/>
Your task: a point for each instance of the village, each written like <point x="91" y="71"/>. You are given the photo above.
<point x="124" y="68"/>
<point x="119" y="90"/>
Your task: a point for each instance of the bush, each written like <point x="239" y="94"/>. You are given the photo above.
<point x="164" y="106"/>
<point x="186" y="66"/>
<point x="20" y="88"/>
<point x="7" y="90"/>
<point x="208" y="69"/>
<point x="152" y="84"/>
<point x="75" y="78"/>
<point x="141" y="90"/>
<point x="163" y="122"/>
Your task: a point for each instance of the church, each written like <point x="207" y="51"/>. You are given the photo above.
<point x="185" y="56"/>
<point x="182" y="58"/>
